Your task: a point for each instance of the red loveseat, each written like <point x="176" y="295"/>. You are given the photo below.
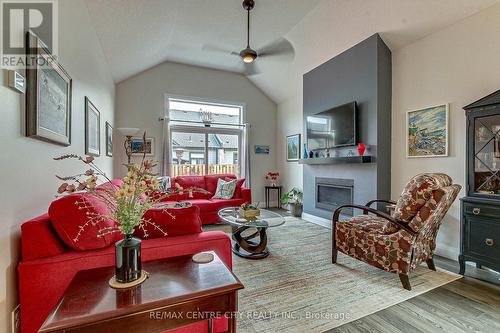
<point x="48" y="265"/>
<point x="208" y="206"/>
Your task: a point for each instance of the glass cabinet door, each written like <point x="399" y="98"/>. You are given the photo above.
<point x="487" y="155"/>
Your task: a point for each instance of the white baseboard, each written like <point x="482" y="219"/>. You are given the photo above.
<point x="447" y="252"/>
<point x="317" y="220"/>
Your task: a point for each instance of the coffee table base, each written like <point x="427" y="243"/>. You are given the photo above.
<point x="248" y="246"/>
<point x="244" y="254"/>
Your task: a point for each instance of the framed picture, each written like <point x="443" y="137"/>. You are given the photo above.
<point x="293" y="147"/>
<point x="92" y="129"/>
<point x="427" y="132"/>
<point x="259" y="149"/>
<point x="138" y="147"/>
<point x="109" y="140"/>
<point x="48" y="95"/>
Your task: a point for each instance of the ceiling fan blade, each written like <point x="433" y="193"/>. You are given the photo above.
<point x="218" y="49"/>
<point x="279" y="47"/>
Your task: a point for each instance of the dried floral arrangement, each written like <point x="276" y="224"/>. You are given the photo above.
<point x="125" y="203"/>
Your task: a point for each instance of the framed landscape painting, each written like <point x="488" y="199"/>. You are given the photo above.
<point x="138" y="146"/>
<point x="48" y="95"/>
<point x="92" y="129"/>
<point x="261" y="149"/>
<point x="427" y="132"/>
<point x="293" y="148"/>
<point x="109" y="140"/>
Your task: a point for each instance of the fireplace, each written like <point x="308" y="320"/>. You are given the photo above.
<point x="334" y="192"/>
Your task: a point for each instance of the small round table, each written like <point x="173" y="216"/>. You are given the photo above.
<point x="246" y="244"/>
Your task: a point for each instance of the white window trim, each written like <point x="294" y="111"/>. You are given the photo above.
<point x="169" y="128"/>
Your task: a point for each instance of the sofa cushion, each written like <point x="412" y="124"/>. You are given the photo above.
<point x="225" y="189"/>
<point x="211" y="181"/>
<point x="39" y="239"/>
<point x="69" y="213"/>
<point x="172" y="221"/>
<point x="186" y="182"/>
<point x="214" y="204"/>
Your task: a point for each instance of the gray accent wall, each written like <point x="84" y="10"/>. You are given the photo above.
<point x="362" y="74"/>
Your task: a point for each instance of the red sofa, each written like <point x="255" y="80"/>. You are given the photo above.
<point x="48" y="266"/>
<point x="209" y="207"/>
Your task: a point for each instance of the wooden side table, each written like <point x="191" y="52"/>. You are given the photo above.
<point x="176" y="286"/>
<point x="268" y="194"/>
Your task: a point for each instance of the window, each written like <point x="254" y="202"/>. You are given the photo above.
<point x="203" y="137"/>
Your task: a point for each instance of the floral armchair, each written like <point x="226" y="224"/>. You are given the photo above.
<point x="399" y="242"/>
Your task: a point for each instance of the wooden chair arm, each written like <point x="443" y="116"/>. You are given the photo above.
<point x="389" y="202"/>
<point x="383" y="215"/>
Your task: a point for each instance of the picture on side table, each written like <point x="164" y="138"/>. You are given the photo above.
<point x="109" y="140"/>
<point x="48" y="95"/>
<point x="138" y="147"/>
<point x="293" y="147"/>
<point x="427" y="132"/>
<point x="92" y="129"/>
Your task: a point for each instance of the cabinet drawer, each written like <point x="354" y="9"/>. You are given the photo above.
<point x="484" y="238"/>
<point x="482" y="210"/>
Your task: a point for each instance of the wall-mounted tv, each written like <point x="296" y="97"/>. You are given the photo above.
<point x="333" y="128"/>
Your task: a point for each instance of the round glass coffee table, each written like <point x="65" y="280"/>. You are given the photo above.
<point x="251" y="244"/>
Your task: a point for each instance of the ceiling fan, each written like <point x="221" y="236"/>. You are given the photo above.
<point x="248" y="55"/>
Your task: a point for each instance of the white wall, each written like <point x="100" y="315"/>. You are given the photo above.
<point x="28" y="184"/>
<point x="457" y="65"/>
<point x="140" y="102"/>
<point x="290" y="121"/>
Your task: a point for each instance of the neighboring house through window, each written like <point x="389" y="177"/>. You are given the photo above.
<point x="203" y="137"/>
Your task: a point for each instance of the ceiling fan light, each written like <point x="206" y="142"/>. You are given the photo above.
<point x="248" y="58"/>
<point x="248" y="55"/>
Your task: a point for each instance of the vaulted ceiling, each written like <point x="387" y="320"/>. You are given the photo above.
<point x="139" y="34"/>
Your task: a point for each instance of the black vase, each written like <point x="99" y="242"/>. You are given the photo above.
<point x="128" y="259"/>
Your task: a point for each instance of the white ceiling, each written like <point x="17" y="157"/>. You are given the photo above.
<point x="139" y="34"/>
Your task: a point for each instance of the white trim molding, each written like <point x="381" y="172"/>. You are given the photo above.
<point x="317" y="220"/>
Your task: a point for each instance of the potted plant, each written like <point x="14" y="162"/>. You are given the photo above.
<point x="249" y="211"/>
<point x="294" y="200"/>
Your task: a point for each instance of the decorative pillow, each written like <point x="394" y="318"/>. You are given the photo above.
<point x="180" y="220"/>
<point x="165" y="184"/>
<point x="225" y="190"/>
<point x="71" y="212"/>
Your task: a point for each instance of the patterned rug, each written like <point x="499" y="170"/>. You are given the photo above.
<point x="298" y="289"/>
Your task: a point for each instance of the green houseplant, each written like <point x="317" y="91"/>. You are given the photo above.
<point x="293" y="199"/>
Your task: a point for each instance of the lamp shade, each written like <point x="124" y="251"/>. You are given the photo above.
<point x="128" y="131"/>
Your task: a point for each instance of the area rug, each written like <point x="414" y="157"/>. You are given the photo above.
<point x="298" y="289"/>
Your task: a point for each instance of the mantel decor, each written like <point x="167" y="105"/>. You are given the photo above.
<point x="126" y="204"/>
<point x="48" y="95"/>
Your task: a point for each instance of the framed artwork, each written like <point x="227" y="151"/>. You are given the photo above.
<point x="109" y="140"/>
<point x="139" y="147"/>
<point x="48" y="95"/>
<point x="259" y="149"/>
<point x="427" y="132"/>
<point x="293" y="148"/>
<point x="92" y="129"/>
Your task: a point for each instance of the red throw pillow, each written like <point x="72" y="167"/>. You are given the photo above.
<point x="185" y="220"/>
<point x="237" y="190"/>
<point x="70" y="212"/>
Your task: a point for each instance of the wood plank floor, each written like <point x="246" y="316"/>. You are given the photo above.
<point x="465" y="305"/>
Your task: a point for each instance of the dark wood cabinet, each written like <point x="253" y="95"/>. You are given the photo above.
<point x="480" y="209"/>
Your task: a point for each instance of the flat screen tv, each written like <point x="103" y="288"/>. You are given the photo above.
<point x="333" y="128"/>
